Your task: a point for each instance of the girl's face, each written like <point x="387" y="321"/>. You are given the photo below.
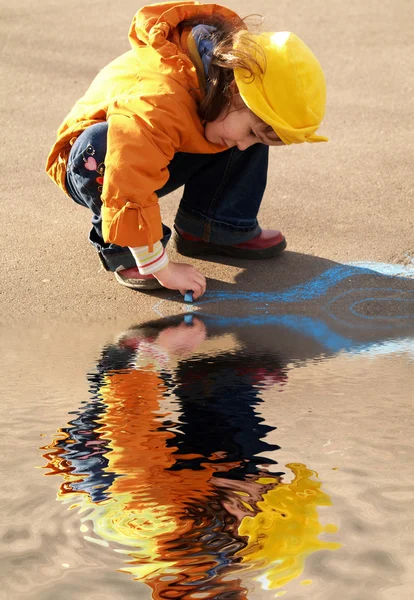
<point x="238" y="126"/>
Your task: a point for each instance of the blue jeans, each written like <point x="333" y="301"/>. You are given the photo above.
<point x="221" y="199"/>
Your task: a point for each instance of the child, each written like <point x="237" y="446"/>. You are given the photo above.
<point x="197" y="102"/>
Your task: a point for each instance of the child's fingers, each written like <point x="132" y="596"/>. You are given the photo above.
<point x="197" y="290"/>
<point x="183" y="277"/>
<point x="201" y="280"/>
<point x="197" y="287"/>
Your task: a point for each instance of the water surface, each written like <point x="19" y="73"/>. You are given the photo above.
<point x="212" y="457"/>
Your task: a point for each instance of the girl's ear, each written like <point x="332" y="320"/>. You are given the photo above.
<point x="234" y="88"/>
<point x="237" y="100"/>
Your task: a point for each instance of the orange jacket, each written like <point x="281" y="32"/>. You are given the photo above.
<point x="149" y="97"/>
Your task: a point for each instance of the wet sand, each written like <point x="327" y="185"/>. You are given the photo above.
<point x="343" y="414"/>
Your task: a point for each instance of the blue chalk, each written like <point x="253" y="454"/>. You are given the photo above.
<point x="188" y="296"/>
<point x="188" y="319"/>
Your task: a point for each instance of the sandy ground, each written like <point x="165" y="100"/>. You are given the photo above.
<point x="347" y="200"/>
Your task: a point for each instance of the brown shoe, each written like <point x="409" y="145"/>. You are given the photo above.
<point x="266" y="245"/>
<point x="133" y="279"/>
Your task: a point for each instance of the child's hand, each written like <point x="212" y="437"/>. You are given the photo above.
<point x="182" y="277"/>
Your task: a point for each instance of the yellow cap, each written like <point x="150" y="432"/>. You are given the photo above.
<point x="291" y="95"/>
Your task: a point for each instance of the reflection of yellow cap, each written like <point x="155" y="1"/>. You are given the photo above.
<point x="285" y="531"/>
<point x="291" y="95"/>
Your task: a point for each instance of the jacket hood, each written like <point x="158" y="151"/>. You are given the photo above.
<point x="153" y="25"/>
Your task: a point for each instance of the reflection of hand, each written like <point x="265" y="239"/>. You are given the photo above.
<point x="184" y="338"/>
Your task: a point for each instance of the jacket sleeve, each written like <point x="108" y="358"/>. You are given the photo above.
<point x="141" y="143"/>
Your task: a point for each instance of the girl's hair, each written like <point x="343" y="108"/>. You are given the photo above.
<point x="225" y="59"/>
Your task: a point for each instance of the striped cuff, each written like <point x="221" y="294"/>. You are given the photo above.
<point x="150" y="262"/>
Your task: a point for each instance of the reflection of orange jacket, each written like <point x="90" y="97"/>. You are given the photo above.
<point x="151" y="509"/>
<point x="149" y="97"/>
<point x="138" y="447"/>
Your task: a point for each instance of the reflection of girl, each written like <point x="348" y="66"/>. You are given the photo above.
<point x="183" y="498"/>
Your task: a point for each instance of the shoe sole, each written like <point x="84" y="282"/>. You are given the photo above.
<point x="189" y="248"/>
<point x="137" y="284"/>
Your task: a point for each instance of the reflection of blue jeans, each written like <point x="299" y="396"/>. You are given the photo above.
<point x="221" y="199"/>
<point x="219" y="395"/>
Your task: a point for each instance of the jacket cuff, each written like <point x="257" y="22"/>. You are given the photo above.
<point x="132" y="225"/>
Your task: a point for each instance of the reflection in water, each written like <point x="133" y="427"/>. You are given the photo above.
<point x="168" y="463"/>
